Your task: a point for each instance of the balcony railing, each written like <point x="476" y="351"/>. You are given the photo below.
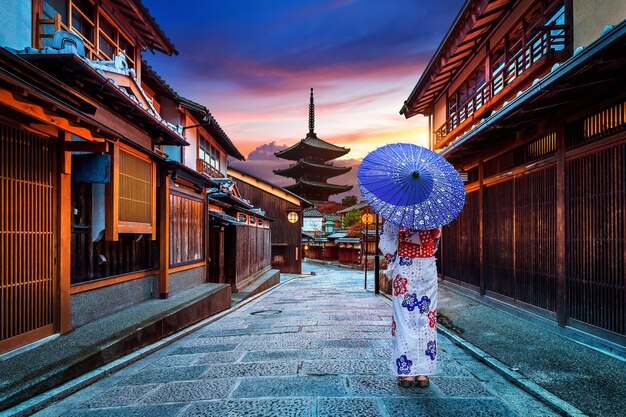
<point x="205" y="168"/>
<point x="550" y="40"/>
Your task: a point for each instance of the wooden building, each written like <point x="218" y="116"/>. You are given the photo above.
<point x="311" y="169"/>
<point x="102" y="207"/>
<point x="527" y="97"/>
<point x="284" y="209"/>
<point x="240" y="238"/>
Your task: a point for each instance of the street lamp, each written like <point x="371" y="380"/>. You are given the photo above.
<point x="330" y="227"/>
<point x="292" y="217"/>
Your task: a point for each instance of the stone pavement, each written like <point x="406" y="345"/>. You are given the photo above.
<point x="314" y="346"/>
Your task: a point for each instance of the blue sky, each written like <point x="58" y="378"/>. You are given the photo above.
<point x="253" y="63"/>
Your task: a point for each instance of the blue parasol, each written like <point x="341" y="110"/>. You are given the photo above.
<point x="411" y="186"/>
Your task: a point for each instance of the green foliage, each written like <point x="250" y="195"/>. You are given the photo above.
<point x="349" y="200"/>
<point x="351" y="218"/>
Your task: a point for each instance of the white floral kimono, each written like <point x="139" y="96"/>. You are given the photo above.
<point x="411" y="255"/>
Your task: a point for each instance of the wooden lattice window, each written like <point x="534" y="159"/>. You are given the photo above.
<point x="186" y="229"/>
<point x="131" y="195"/>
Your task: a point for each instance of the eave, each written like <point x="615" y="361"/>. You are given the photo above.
<point x="311" y="145"/>
<point x="75" y="72"/>
<point x="474" y="23"/>
<point x="595" y="70"/>
<point x="206" y="119"/>
<point x="304" y="167"/>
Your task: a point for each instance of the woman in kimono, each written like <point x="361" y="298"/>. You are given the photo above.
<point x="412" y="269"/>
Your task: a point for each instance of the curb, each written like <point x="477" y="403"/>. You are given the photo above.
<point x="546" y="397"/>
<point x="66" y="389"/>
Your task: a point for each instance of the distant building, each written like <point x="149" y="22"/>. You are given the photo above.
<point x="312" y="169"/>
<point x="527" y="98"/>
<point x="313" y="221"/>
<point x="285" y="213"/>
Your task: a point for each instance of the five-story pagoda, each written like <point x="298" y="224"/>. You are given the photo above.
<point x="312" y="169"/>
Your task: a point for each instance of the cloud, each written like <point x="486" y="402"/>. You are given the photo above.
<point x="266" y="152"/>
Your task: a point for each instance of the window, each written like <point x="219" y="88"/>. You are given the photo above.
<point x="83" y="13"/>
<point x="102" y="38"/>
<point x="210" y="154"/>
<point x="468" y="94"/>
<point x="111" y="42"/>
<point x="186" y="229"/>
<point x="133" y="189"/>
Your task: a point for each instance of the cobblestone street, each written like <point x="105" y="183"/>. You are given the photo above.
<point x="314" y="346"/>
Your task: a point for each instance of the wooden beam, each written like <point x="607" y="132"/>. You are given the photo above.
<point x="64" y="235"/>
<point x="38" y="112"/>
<point x="164" y="235"/>
<point x="101" y="147"/>
<point x="112" y="197"/>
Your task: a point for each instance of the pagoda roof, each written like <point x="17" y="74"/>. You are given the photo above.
<point x="311" y="145"/>
<point x="316" y="186"/>
<point x="303" y="166"/>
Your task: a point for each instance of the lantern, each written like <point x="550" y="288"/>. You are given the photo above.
<point x="292" y="217"/>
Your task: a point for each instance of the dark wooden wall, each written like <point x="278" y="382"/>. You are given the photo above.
<point x="584" y="283"/>
<point x="283" y="232"/>
<point x="247" y="250"/>
<point x="186" y="229"/>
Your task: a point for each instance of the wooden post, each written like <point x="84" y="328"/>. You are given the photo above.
<point x="112" y="197"/>
<point x="164" y="236"/>
<point x="376" y="261"/>
<point x="366" y="244"/>
<point x="207" y="224"/>
<point x="561" y="290"/>
<point x="481" y="229"/>
<point x="64" y="246"/>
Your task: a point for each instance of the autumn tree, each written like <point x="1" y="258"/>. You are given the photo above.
<point x="329" y="207"/>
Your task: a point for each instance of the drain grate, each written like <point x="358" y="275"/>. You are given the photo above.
<point x="265" y="312"/>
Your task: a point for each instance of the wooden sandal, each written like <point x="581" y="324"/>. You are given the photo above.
<point x="405" y="382"/>
<point x="423" y="383"/>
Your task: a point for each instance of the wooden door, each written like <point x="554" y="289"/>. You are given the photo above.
<point x="28" y="284"/>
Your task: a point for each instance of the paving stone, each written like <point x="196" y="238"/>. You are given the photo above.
<point x="120" y="396"/>
<point x="386" y="386"/>
<point x="249" y="331"/>
<point x="316" y="386"/>
<point x="450" y="368"/>
<point x="185" y="391"/>
<point x="275" y="345"/>
<point x="190" y="347"/>
<point x="343" y="343"/>
<point x="381" y="353"/>
<point x="149" y="375"/>
<point x="244" y="408"/>
<point x="282" y="355"/>
<point x="219" y="357"/>
<point x="252" y="369"/>
<point x="161" y="410"/>
<point x="348" y="407"/>
<point x="177" y="360"/>
<point x="345" y="367"/>
<point x="445" y="407"/>
<point x="346" y="353"/>
<point x="460" y="387"/>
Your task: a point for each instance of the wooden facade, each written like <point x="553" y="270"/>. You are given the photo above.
<point x="90" y="196"/>
<point x="277" y="203"/>
<point x="543" y="227"/>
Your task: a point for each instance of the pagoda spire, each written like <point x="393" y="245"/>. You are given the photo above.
<point x="311" y="114"/>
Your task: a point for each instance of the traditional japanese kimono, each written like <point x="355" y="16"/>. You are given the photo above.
<point x="412" y="269"/>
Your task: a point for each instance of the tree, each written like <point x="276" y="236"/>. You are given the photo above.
<point x="351" y="217"/>
<point x="349" y="200"/>
<point x="329" y="207"/>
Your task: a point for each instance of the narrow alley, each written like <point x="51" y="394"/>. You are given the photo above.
<point x="315" y="345"/>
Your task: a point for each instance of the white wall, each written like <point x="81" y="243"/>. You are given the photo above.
<point x="312" y="224"/>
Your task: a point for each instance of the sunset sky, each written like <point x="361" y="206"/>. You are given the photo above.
<point x="252" y="64"/>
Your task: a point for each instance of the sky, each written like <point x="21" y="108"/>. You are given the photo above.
<point x="253" y="62"/>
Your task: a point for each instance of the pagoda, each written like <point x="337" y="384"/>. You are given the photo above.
<point x="312" y="169"/>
